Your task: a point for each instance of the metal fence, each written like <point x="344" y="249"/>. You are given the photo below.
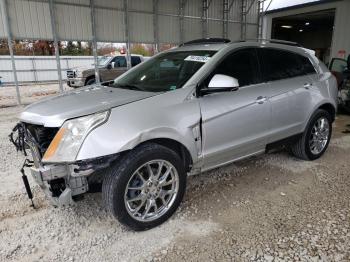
<point x="39" y="68"/>
<point x="127" y="21"/>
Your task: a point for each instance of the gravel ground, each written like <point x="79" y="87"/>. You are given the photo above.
<point x="29" y="93"/>
<point x="268" y="208"/>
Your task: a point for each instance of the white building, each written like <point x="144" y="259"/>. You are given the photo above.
<point x="322" y="26"/>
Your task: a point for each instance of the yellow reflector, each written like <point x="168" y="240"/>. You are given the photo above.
<point x="54" y="144"/>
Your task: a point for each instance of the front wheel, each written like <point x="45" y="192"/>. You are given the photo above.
<point x="91" y="81"/>
<point x="315" y="139"/>
<point x="145" y="187"/>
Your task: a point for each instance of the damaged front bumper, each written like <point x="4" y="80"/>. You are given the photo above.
<point x="60" y="182"/>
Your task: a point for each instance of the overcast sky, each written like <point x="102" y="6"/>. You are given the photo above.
<point x="284" y="3"/>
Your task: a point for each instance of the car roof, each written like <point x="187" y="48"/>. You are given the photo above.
<point x="248" y="43"/>
<point x="207" y="46"/>
<point x="125" y="55"/>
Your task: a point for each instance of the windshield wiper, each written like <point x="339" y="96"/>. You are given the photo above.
<point x="131" y="87"/>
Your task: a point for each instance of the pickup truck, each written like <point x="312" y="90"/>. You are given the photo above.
<point x="110" y="67"/>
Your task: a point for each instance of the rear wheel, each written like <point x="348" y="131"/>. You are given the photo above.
<point x="315" y="139"/>
<point x="145" y="187"/>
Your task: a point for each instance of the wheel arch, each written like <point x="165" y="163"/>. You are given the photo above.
<point x="176" y="146"/>
<point x="91" y="77"/>
<point x="324" y="105"/>
<point x="329" y="108"/>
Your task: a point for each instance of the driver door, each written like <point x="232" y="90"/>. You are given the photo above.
<point x="236" y="124"/>
<point x="119" y="68"/>
<point x="338" y="66"/>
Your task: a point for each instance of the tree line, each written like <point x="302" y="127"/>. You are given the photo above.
<point x="69" y="48"/>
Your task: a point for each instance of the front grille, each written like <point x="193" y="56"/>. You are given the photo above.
<point x="71" y="74"/>
<point x="42" y="136"/>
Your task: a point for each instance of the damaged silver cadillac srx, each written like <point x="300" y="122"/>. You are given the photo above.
<point x="187" y="110"/>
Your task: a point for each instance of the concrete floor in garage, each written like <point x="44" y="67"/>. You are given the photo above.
<point x="268" y="208"/>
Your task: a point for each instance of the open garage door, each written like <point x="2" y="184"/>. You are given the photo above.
<point x="311" y="30"/>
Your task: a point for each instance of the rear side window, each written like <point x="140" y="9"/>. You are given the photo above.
<point x="135" y="60"/>
<point x="280" y="64"/>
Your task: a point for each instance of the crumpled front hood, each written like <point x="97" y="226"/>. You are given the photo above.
<point x="53" y="111"/>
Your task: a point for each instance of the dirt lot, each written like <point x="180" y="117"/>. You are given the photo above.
<point x="29" y="93"/>
<point x="268" y="208"/>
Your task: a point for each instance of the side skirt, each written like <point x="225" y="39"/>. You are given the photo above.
<point x="282" y="143"/>
<point x="269" y="147"/>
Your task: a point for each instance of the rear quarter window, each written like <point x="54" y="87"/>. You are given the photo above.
<point x="279" y="64"/>
<point x="307" y="66"/>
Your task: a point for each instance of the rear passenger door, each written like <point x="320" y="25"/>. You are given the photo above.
<point x="287" y="74"/>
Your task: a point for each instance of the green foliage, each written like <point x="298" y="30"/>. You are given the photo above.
<point x="140" y="49"/>
<point x="69" y="48"/>
<point x="4" y="50"/>
<point x="76" y="48"/>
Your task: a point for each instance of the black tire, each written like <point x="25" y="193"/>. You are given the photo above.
<point x="301" y="149"/>
<point x="119" y="174"/>
<point x="90" y="81"/>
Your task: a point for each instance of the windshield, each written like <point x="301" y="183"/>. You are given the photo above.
<point x="103" y="60"/>
<point x="168" y="71"/>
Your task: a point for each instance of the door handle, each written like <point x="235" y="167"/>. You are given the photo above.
<point x="261" y="99"/>
<point x="307" y="85"/>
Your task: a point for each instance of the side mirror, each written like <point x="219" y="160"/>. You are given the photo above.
<point x="221" y="83"/>
<point x="109" y="66"/>
<point x="113" y="64"/>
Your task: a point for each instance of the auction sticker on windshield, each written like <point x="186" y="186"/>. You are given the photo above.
<point x="196" y="58"/>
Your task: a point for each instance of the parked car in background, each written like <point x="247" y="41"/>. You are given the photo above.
<point x="187" y="110"/>
<point x="110" y="67"/>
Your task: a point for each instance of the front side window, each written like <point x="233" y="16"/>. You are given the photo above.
<point x="165" y="72"/>
<point x="119" y="61"/>
<point x="280" y="64"/>
<point x="241" y="65"/>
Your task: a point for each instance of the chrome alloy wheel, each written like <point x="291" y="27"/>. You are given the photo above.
<point x="151" y="190"/>
<point x="319" y="136"/>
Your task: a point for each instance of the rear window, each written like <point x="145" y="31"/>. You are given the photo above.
<point x="280" y="64"/>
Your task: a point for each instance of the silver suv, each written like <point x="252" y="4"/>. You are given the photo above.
<point x="202" y="105"/>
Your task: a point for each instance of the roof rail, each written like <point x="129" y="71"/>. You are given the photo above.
<point x="206" y="41"/>
<point x="276" y="41"/>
